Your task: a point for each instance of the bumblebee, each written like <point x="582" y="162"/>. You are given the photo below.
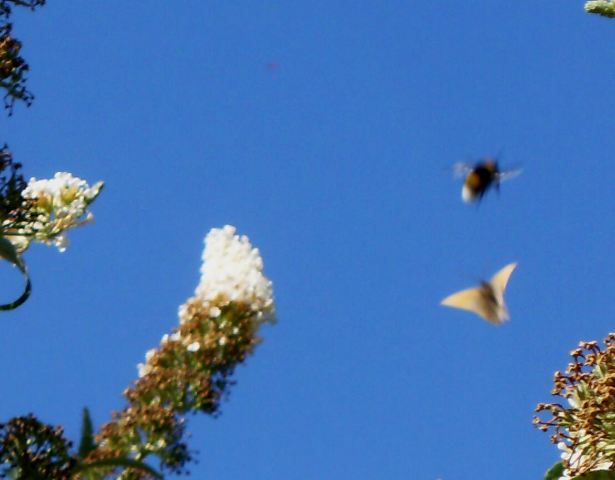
<point x="481" y="177"/>
<point x="486" y="300"/>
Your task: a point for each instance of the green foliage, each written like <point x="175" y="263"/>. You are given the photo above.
<point x="12" y="183"/>
<point x="8" y="252"/>
<point x="5" y="5"/>
<point x="597" y="475"/>
<point x="555" y="471"/>
<point x="12" y="214"/>
<point x="31" y="450"/>
<point x="124" y="462"/>
<point x="13" y="67"/>
<point x="86" y="443"/>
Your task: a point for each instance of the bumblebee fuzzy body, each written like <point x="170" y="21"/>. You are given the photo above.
<point x="479" y="179"/>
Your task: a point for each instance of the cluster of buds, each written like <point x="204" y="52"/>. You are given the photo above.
<point x="191" y="369"/>
<point x="51" y="207"/>
<point x="10" y="61"/>
<point x="31" y="449"/>
<point x="584" y="429"/>
<point x="13" y="67"/>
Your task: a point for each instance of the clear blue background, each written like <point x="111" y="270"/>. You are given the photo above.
<point x="325" y="131"/>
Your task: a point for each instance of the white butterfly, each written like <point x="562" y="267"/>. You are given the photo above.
<point x="486" y="300"/>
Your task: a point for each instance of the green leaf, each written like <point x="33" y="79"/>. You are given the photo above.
<point x="8" y="252"/>
<point x="118" y="462"/>
<point x="555" y="471"/>
<point x="597" y="475"/>
<point x="86" y="444"/>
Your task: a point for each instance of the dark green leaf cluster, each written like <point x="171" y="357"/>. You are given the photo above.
<point x="557" y="471"/>
<point x="98" y="469"/>
<point x="14" y="213"/>
<point x="31" y="450"/>
<point x="12" y="183"/>
<point x="13" y="67"/>
<point x="5" y="5"/>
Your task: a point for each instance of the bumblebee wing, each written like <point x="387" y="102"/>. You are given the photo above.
<point x="461" y="169"/>
<point x="509" y="174"/>
<point x="472" y="300"/>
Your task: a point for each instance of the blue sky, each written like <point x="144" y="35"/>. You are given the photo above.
<point x="336" y="163"/>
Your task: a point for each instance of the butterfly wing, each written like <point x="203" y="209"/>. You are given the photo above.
<point x="472" y="300"/>
<point x="500" y="280"/>
<point x="498" y="285"/>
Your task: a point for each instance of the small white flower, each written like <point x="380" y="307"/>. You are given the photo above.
<point x="574" y="401"/>
<point x="574" y="458"/>
<point x="150" y="354"/>
<point x="193" y="347"/>
<point x="232" y="271"/>
<point x="214" y="312"/>
<point x="143" y="369"/>
<point x="174" y="337"/>
<point x="182" y="312"/>
<point x="222" y="341"/>
<point x="60" y="242"/>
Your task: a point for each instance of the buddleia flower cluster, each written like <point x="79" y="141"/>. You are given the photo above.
<point x="191" y="369"/>
<point x="40" y="211"/>
<point x="605" y="8"/>
<point x="583" y="424"/>
<point x="53" y="206"/>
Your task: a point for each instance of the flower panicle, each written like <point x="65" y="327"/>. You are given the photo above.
<point x="584" y="429"/>
<point x="191" y="370"/>
<point x="51" y="207"/>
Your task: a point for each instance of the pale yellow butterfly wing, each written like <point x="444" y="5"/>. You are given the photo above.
<point x="500" y="280"/>
<point x="472" y="300"/>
